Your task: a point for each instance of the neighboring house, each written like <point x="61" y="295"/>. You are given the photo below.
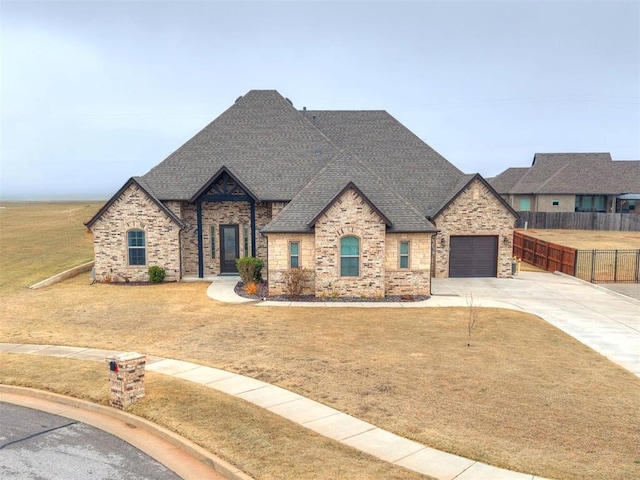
<point x="353" y="196"/>
<point x="572" y="182"/>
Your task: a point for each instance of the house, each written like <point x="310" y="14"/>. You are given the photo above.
<point x="572" y="182"/>
<point x="353" y="196"/>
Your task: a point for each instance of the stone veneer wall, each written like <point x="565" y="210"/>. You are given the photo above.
<point x="415" y="280"/>
<point x="350" y="215"/>
<point x="216" y="214"/>
<point x="476" y="211"/>
<point x="135" y="210"/>
<point x="278" y="261"/>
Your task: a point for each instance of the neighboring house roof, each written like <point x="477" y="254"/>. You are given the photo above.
<point x="145" y="188"/>
<point x="570" y="173"/>
<point x="342" y="171"/>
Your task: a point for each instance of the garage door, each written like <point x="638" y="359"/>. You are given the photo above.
<point x="473" y="256"/>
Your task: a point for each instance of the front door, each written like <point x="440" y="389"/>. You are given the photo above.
<point x="229" y="248"/>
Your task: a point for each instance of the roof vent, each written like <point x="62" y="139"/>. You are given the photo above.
<point x="289" y="101"/>
<point x="238" y="99"/>
<point x="315" y="117"/>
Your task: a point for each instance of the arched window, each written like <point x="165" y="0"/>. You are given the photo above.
<point x="137" y="247"/>
<point x="349" y="257"/>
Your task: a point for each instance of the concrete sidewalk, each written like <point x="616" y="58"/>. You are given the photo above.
<point x="310" y="414"/>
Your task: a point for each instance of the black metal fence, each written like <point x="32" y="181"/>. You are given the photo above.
<point x="579" y="221"/>
<point x="608" y="266"/>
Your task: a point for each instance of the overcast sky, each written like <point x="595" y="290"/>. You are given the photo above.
<point x="95" y="92"/>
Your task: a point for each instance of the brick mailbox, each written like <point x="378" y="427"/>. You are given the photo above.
<point x="126" y="379"/>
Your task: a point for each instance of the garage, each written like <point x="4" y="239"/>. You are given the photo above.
<point x="473" y="256"/>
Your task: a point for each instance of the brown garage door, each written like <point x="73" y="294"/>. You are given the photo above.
<point x="473" y="256"/>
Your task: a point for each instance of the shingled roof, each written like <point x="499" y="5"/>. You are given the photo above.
<point x="343" y="171"/>
<point x="571" y="173"/>
<point x="262" y="137"/>
<point x="307" y="157"/>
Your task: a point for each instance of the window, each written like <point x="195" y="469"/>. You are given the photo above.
<point x="245" y="231"/>
<point x="591" y="203"/>
<point x="213" y="241"/>
<point x="136" y="247"/>
<point x="555" y="203"/>
<point x="525" y="205"/>
<point x="349" y="257"/>
<point x="404" y="254"/>
<point x="294" y="254"/>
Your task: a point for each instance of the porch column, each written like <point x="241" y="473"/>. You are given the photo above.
<point x="252" y="205"/>
<point x="200" y="246"/>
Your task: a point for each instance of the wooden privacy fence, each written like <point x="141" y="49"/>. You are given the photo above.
<point x="595" y="266"/>
<point x="580" y="221"/>
<point x="545" y="255"/>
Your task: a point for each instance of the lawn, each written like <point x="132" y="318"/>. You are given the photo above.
<point x="588" y="239"/>
<point x="524" y="396"/>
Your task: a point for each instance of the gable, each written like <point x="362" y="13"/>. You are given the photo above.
<point x="353" y="193"/>
<point x="343" y="170"/>
<point x="136" y="184"/>
<point x="476" y="191"/>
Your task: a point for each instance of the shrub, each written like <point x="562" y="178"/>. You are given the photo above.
<point x="156" y="274"/>
<point x="295" y="279"/>
<point x="251" y="288"/>
<point x="250" y="269"/>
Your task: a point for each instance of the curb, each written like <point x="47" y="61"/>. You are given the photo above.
<point x="72" y="272"/>
<point x="198" y="453"/>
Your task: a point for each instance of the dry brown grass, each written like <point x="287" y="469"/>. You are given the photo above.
<point x="525" y="396"/>
<point x="588" y="239"/>
<point x="38" y="240"/>
<point x="260" y="443"/>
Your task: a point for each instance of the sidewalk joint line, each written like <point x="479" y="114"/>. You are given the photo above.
<point x="424" y="447"/>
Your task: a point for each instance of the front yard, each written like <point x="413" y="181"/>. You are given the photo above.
<point x="524" y="396"/>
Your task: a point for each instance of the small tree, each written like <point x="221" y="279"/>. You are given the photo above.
<point x="250" y="269"/>
<point x="472" y="319"/>
<point x="295" y="279"/>
<point x="156" y="274"/>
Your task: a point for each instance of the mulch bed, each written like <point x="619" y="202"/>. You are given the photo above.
<point x="261" y="294"/>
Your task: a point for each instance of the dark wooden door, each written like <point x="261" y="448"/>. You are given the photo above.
<point x="473" y="256"/>
<point x="229" y="248"/>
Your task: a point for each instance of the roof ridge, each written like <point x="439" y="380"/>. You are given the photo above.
<point x="555" y="174"/>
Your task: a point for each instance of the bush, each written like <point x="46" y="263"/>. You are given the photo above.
<point x="250" y="269"/>
<point x="156" y="274"/>
<point x="295" y="279"/>
<point x="251" y="288"/>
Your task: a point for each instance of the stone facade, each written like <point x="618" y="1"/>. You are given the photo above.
<point x="381" y="273"/>
<point x="475" y="211"/>
<point x="135" y="210"/>
<point x="278" y="260"/>
<point x="415" y="280"/>
<point x="350" y="215"/>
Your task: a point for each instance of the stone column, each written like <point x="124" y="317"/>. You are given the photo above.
<point x="126" y="379"/>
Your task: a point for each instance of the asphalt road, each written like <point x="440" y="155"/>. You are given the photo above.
<point x="36" y="445"/>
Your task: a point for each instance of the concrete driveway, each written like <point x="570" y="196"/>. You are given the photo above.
<point x="602" y="319"/>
